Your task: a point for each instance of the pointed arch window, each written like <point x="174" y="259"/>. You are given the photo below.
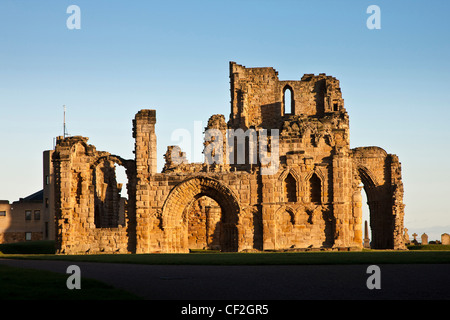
<point x="290" y="188"/>
<point x="315" y="189"/>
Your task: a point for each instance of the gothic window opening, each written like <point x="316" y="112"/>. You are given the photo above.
<point x="315" y="189"/>
<point x="290" y="189"/>
<point x="288" y="100"/>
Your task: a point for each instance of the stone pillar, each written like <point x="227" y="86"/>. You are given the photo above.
<point x="145" y="142"/>
<point x="357" y="217"/>
<point x="145" y="155"/>
<point x="63" y="208"/>
<point x="342" y="200"/>
<point x="398" y="207"/>
<point x="68" y="198"/>
<point x="268" y="209"/>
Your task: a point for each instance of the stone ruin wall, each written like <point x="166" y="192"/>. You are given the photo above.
<point x="90" y="215"/>
<point x="313" y="201"/>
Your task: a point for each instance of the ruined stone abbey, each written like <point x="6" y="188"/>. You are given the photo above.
<point x="278" y="175"/>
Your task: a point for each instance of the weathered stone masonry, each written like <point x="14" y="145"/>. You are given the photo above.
<point x="313" y="200"/>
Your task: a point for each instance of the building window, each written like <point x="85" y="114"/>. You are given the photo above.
<point x="2" y="213"/>
<point x="28" y="236"/>
<point x="315" y="189"/>
<point x="27" y="214"/>
<point x="37" y="214"/>
<point x="47" y="179"/>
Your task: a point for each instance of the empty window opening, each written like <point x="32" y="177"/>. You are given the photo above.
<point x="122" y="180"/>
<point x="110" y="202"/>
<point x="288" y="100"/>
<point x="365" y="215"/>
<point x="290" y="188"/>
<point x="315" y="187"/>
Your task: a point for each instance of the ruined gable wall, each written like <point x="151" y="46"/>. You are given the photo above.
<point x="257" y="96"/>
<point x="76" y="196"/>
<point x="253" y="96"/>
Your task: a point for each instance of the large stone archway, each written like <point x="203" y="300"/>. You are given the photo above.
<point x="182" y="196"/>
<point x="379" y="173"/>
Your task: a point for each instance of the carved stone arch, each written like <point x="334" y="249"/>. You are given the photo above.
<point x="286" y="208"/>
<point x="287" y="171"/>
<point x="374" y="167"/>
<point x="323" y="186"/>
<point x="197" y="185"/>
<point x="76" y="145"/>
<point x="369" y="181"/>
<point x="366" y="175"/>
<point x="318" y="172"/>
<point x="127" y="164"/>
<point x="284" y="227"/>
<point x="290" y="188"/>
<point x="184" y="194"/>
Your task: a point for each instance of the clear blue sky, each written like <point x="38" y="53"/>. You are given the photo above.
<point x="173" y="56"/>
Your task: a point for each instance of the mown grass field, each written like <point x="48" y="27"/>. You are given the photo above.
<point x="43" y="250"/>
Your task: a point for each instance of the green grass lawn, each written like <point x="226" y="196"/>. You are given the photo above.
<point x="297" y="258"/>
<point x="44" y="250"/>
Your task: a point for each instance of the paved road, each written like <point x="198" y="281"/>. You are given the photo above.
<point x="318" y="282"/>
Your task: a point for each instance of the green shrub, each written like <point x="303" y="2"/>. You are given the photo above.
<point x="433" y="247"/>
<point x="29" y="247"/>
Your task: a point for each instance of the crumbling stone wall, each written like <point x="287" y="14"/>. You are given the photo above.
<point x="312" y="200"/>
<point x="88" y="207"/>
